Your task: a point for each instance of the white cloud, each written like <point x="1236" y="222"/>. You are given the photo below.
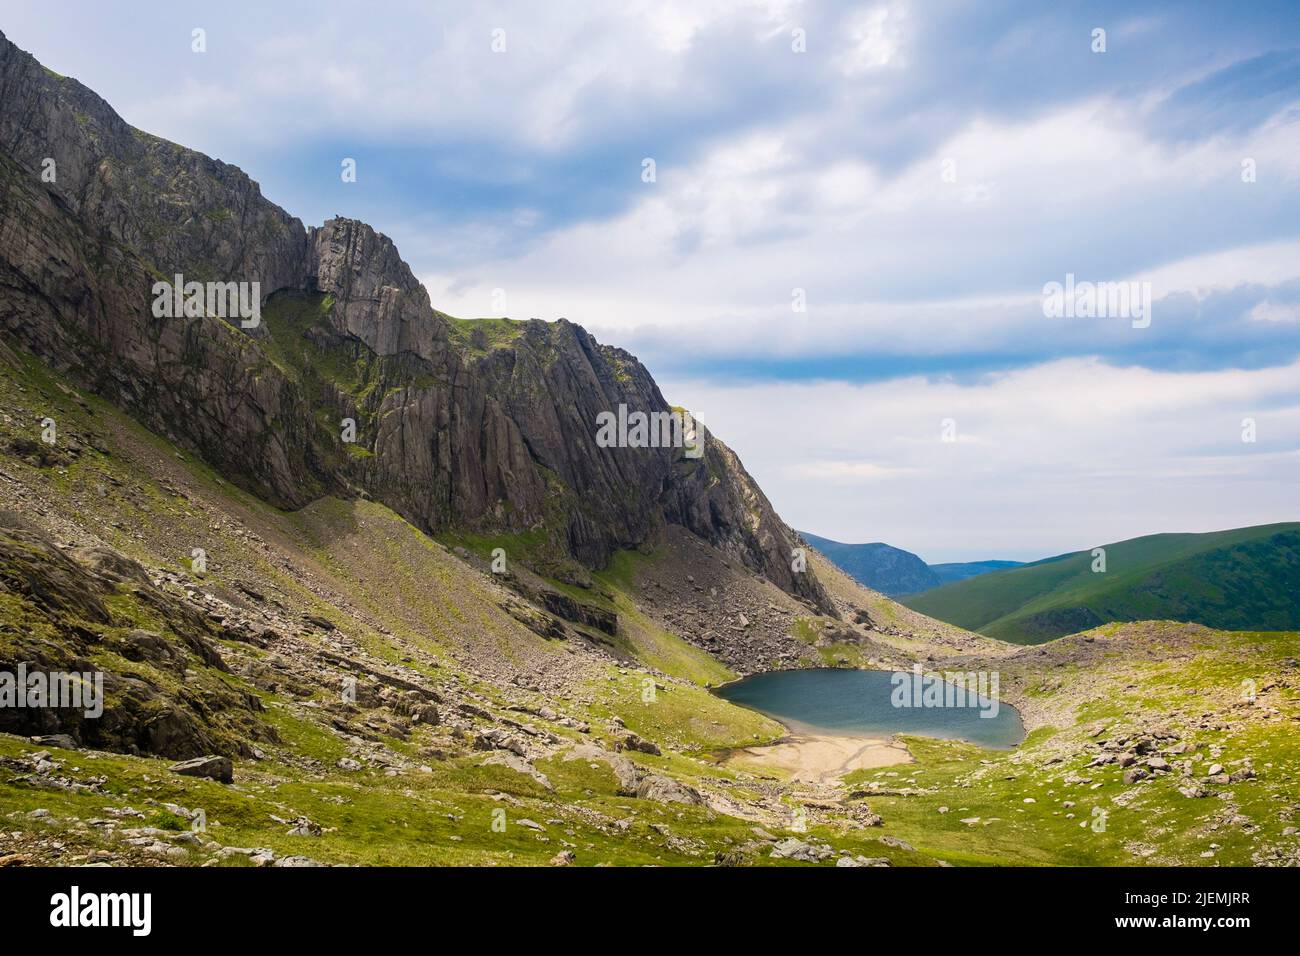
<point x="875" y="39"/>
<point x="1072" y="454"/>
<point x="911" y="261"/>
<point x="426" y="70"/>
<point x="1269" y="311"/>
<point x="844" y="472"/>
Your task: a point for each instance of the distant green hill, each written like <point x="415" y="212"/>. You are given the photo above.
<point x="1243" y="579"/>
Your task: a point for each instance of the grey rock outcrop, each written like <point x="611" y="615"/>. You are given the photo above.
<point x="379" y="300"/>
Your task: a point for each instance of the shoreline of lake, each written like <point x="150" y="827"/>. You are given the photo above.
<point x="821" y="758"/>
<point x="854" y="735"/>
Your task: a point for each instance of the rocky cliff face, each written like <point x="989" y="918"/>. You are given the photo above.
<point x="173" y="206"/>
<point x="489" y="427"/>
<point x="378" y="300"/>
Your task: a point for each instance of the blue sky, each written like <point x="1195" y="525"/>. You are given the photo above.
<point x="920" y="171"/>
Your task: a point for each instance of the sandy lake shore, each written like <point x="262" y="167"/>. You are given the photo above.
<point x="821" y="758"/>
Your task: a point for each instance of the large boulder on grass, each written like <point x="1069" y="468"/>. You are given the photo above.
<point x="212" y="767"/>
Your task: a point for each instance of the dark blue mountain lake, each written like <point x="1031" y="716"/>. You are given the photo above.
<point x="854" y="702"/>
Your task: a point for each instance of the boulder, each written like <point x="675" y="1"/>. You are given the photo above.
<point x="794" y="849"/>
<point x="896" y="842"/>
<point x="212" y="767"/>
<point x="631" y="741"/>
<point x="518" y="765"/>
<point x="624" y="770"/>
<point x="663" y="789"/>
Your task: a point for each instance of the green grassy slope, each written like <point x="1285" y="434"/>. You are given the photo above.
<point x="1242" y="579"/>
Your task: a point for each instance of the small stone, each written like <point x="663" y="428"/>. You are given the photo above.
<point x="896" y="842"/>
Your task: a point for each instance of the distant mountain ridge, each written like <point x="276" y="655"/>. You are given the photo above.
<point x="893" y="571"/>
<point x="889" y="570"/>
<point x="961" y="570"/>
<point x="1243" y="579"/>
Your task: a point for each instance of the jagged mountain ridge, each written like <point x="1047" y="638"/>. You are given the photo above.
<point x="450" y="434"/>
<point x="964" y="570"/>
